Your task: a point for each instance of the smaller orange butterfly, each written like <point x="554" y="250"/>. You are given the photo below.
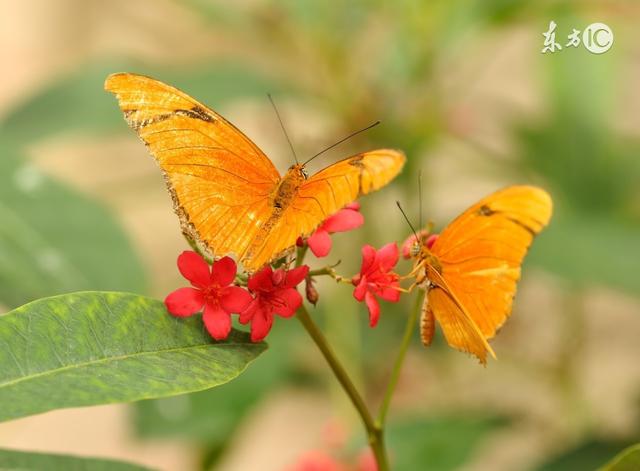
<point x="471" y="269"/>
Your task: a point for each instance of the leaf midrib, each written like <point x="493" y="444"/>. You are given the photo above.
<point x="115" y="358"/>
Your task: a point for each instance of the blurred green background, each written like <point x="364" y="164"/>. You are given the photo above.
<point x="460" y="86"/>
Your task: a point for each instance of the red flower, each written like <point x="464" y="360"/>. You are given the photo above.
<point x="316" y="460"/>
<point x="212" y="289"/>
<point x="377" y="279"/>
<point x="275" y="293"/>
<point x="367" y="461"/>
<point x="425" y="237"/>
<point x="344" y="220"/>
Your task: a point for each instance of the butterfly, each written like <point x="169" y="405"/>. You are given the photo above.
<point x="228" y="195"/>
<point x="471" y="269"/>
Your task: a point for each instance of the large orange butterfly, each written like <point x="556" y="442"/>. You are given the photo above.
<point x="472" y="268"/>
<point x="227" y="193"/>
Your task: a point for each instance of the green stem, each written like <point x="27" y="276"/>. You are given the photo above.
<point x="374" y="432"/>
<point x="397" y="367"/>
<point x="320" y="272"/>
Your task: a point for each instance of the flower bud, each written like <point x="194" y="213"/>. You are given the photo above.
<point x="310" y="291"/>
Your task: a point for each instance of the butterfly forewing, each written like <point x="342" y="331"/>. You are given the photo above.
<point x="219" y="180"/>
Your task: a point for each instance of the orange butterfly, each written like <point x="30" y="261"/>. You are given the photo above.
<point x="473" y="266"/>
<point x="227" y="193"/>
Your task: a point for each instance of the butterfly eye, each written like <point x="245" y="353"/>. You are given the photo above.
<point x="304" y="173"/>
<point x="415" y="249"/>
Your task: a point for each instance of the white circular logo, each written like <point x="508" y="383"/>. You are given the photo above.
<point x="597" y="38"/>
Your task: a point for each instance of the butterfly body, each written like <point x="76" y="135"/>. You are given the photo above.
<point x="228" y="195"/>
<point x="287" y="189"/>
<point x="471" y="270"/>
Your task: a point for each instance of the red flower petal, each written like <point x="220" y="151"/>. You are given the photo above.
<point x="295" y="276"/>
<point x="184" y="302"/>
<point x="320" y="243"/>
<point x="343" y="220"/>
<point x="223" y="271"/>
<point x="374" y="308"/>
<point x="235" y="299"/>
<point x="367" y="461"/>
<point x="316" y="460"/>
<point x="261" y="279"/>
<point x="390" y="294"/>
<point x="354" y="206"/>
<point x="361" y="289"/>
<point x="387" y="256"/>
<point x="278" y="277"/>
<point x="249" y="311"/>
<point x="431" y="240"/>
<point x="217" y="321"/>
<point x="290" y="301"/>
<point x="260" y="325"/>
<point x="368" y="257"/>
<point x="194" y="268"/>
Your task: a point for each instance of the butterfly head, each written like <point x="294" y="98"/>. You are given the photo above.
<point x="297" y="172"/>
<point x="418" y="245"/>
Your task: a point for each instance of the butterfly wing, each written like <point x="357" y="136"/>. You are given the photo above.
<point x="323" y="194"/>
<point x="219" y="180"/>
<point x="459" y="330"/>
<point x="480" y="254"/>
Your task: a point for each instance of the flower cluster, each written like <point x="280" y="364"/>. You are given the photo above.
<point x="219" y="292"/>
<point x="334" y="453"/>
<point x="275" y="293"/>
<point x="269" y="292"/>
<point x="376" y="279"/>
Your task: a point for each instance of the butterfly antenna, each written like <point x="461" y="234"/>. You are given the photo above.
<point x="420" y="198"/>
<point x="283" y="128"/>
<point x="341" y="141"/>
<point x="413" y="229"/>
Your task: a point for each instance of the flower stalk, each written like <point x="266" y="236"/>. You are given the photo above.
<point x="374" y="432"/>
<point x="397" y="366"/>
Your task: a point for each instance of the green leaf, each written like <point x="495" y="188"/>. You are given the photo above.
<point x="11" y="460"/>
<point x="78" y="102"/>
<point x="589" y="249"/>
<point x="53" y="239"/>
<point x="438" y="444"/>
<point x="92" y="348"/>
<point x="627" y="460"/>
<point x="585" y="456"/>
<point x="211" y="416"/>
